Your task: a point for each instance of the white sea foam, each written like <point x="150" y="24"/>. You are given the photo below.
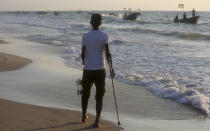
<point x="57" y="43"/>
<point x="182" y="95"/>
<point x="158" y="85"/>
<point x="72" y="56"/>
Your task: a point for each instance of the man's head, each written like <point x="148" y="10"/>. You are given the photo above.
<point x="95" y="21"/>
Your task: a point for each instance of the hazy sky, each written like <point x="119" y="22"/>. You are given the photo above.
<point x="203" y="5"/>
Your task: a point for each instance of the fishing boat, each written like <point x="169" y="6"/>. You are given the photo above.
<point x="56" y="13"/>
<point x="130" y="15"/>
<point x="191" y="20"/>
<point x="79" y="11"/>
<point x="42" y="12"/>
<point x="112" y="14"/>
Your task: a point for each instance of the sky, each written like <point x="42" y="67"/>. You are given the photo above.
<point x="160" y="5"/>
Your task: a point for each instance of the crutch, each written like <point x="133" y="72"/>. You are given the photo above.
<point x="115" y="99"/>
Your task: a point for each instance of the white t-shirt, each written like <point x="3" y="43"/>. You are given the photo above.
<point x="95" y="41"/>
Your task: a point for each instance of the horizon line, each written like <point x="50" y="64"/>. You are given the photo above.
<point x="99" y="10"/>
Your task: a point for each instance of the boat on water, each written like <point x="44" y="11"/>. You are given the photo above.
<point x="128" y="15"/>
<point x="22" y="12"/>
<point x="42" y="12"/>
<point x="191" y="20"/>
<point x="79" y="11"/>
<point x="56" y="13"/>
<point x="132" y="16"/>
<point x="112" y="14"/>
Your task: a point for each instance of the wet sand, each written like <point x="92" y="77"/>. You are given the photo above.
<point x="3" y="42"/>
<point x="23" y="117"/>
<point x="11" y="62"/>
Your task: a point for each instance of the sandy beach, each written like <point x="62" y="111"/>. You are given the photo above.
<point x="11" y="62"/>
<point x="24" y="117"/>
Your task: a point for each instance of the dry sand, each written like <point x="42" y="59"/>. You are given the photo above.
<point x="22" y="117"/>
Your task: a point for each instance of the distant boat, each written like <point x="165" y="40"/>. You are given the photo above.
<point x="22" y="12"/>
<point x="112" y="14"/>
<point x="191" y="20"/>
<point x="79" y="11"/>
<point x="56" y="13"/>
<point x="42" y="12"/>
<point x="19" y="12"/>
<point x="130" y="15"/>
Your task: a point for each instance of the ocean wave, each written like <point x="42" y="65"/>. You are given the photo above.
<point x="191" y="35"/>
<point x="63" y="39"/>
<point x="72" y="57"/>
<point x="162" y="87"/>
<point x="181" y="94"/>
<point x="168" y="89"/>
<point x="34" y="24"/>
<point x="165" y="88"/>
<point x="110" y="15"/>
<point x="119" y="41"/>
<point x="49" y="24"/>
<point x="80" y="26"/>
<point x="183" y="35"/>
<point x="158" y="21"/>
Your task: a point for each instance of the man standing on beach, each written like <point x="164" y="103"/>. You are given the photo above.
<point x="94" y="46"/>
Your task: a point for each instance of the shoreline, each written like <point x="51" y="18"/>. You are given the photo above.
<point x="24" y="117"/>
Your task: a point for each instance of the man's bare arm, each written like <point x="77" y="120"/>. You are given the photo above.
<point x="83" y="54"/>
<point x="109" y="59"/>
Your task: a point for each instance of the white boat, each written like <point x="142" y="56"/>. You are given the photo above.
<point x="129" y="15"/>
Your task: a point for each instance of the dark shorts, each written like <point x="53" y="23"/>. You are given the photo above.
<point x="98" y="78"/>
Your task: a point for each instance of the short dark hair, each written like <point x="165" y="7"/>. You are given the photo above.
<point x="96" y="19"/>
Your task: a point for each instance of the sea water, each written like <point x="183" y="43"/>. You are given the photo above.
<point x="171" y="60"/>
